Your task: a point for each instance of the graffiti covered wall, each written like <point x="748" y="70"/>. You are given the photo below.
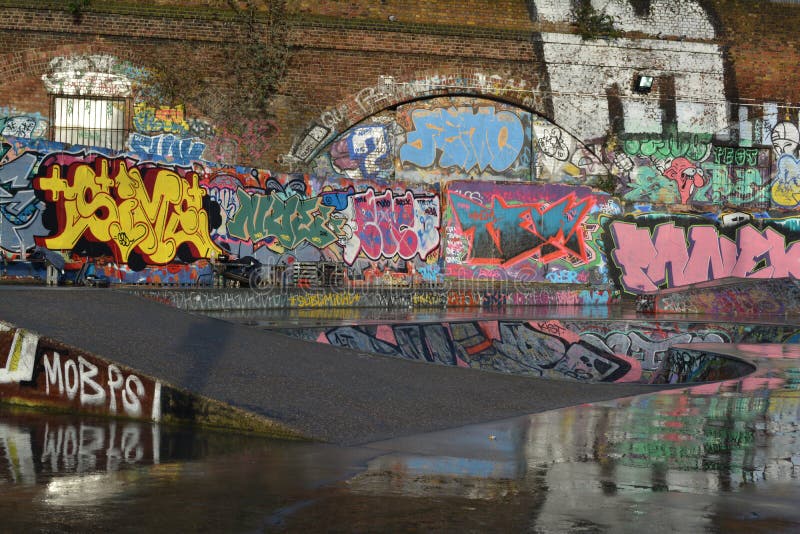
<point x="525" y="232"/>
<point x="143" y="213"/>
<point x="461" y="187"/>
<point x="661" y="250"/>
<point x="593" y="350"/>
<point x="134" y="209"/>
<point x="462" y="138"/>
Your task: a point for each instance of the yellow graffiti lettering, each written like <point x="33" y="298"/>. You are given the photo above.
<point x="425" y="299"/>
<point x="151" y="215"/>
<point x="162" y="119"/>
<point x="785" y="195"/>
<point x="320" y="300"/>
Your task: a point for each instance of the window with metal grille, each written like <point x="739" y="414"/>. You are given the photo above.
<point x="89" y="120"/>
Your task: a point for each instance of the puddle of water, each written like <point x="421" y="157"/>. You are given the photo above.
<point x="66" y="474"/>
<point x="683" y="460"/>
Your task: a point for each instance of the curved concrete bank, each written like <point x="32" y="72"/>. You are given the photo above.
<point x="547" y="343"/>
<point x="323" y="392"/>
<point x="769" y="364"/>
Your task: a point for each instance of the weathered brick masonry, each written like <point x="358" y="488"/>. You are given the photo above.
<point x="331" y="59"/>
<point x="340" y="47"/>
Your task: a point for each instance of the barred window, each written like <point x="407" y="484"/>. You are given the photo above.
<point x="90" y="120"/>
<point x="90" y="100"/>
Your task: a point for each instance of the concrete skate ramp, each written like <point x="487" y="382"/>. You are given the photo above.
<point x="711" y="362"/>
<point x="541" y="348"/>
<point x="328" y="393"/>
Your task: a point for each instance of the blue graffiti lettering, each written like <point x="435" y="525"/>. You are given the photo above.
<point x="464" y="139"/>
<point x="166" y="147"/>
<point x="430" y="272"/>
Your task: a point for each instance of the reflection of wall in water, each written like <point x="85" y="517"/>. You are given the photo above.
<point x="684" y="437"/>
<point x="75" y="448"/>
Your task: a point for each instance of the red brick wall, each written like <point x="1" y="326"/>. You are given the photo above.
<point x="339" y="47"/>
<point x="330" y="61"/>
<point x="763" y="46"/>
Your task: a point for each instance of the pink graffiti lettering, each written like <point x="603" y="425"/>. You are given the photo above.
<point x="390" y="225"/>
<point x="674" y="257"/>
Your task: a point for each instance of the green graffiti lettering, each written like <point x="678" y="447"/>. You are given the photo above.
<point x="291" y="221"/>
<point x="670" y="144"/>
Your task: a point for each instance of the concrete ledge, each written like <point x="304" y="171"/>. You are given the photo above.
<point x="480" y="296"/>
<point x="732" y="296"/>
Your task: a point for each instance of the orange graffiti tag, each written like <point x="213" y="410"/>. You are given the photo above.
<point x="109" y="202"/>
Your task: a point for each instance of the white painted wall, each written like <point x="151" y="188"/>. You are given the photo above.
<point x="666" y="17"/>
<point x="581" y="71"/>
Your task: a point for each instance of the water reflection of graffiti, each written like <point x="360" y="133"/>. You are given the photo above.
<point x="464" y="138"/>
<point x="652" y="252"/>
<point x="74" y="448"/>
<point x="147" y="210"/>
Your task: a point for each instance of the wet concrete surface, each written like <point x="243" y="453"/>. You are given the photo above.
<point x="327" y="393"/>
<point x="717" y="457"/>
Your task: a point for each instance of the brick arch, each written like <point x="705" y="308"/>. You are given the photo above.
<point x="34" y="61"/>
<point x="390" y="92"/>
<point x="21" y="84"/>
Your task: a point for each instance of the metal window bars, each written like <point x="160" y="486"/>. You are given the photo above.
<point x="90" y="120"/>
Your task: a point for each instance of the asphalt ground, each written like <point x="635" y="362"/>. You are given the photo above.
<point x="327" y="393"/>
